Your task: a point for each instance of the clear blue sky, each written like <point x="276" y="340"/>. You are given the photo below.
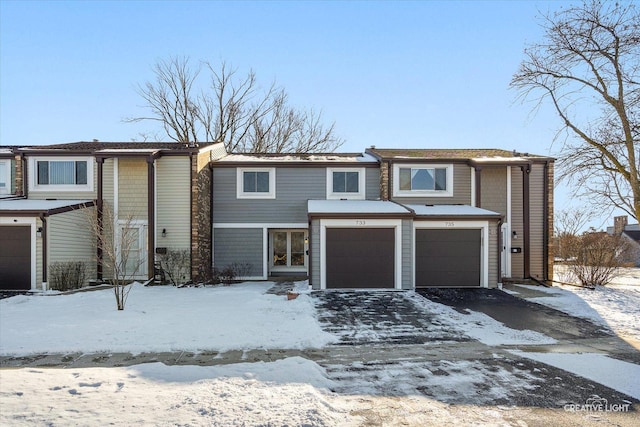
<point x="428" y="74"/>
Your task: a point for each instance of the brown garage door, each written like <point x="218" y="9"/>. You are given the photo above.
<point x="448" y="258"/>
<point x="360" y="257"/>
<point x="15" y="257"/>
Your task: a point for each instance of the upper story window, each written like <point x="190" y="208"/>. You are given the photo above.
<point x="61" y="174"/>
<point x="346" y="183"/>
<point x="256" y="183"/>
<point x="5" y="176"/>
<point x="416" y="180"/>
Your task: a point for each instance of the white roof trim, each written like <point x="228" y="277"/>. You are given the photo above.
<point x="37" y="205"/>
<point x="450" y="210"/>
<point x="355" y="207"/>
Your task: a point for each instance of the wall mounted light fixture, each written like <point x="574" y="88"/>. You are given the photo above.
<point x="164" y="232"/>
<point x="515" y="235"/>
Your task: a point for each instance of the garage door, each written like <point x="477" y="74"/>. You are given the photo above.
<point x="15" y="258"/>
<point x="448" y="258"/>
<point x="360" y="257"/>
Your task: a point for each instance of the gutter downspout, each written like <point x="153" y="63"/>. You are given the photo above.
<point x="151" y="238"/>
<point x="43" y="218"/>
<point x="545" y="224"/>
<point x="100" y="219"/>
<point x="501" y="238"/>
<point x="210" y="254"/>
<point x="526" y="219"/>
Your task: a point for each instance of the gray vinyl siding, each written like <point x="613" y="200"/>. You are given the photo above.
<point x="493" y="189"/>
<point x="517" y="260"/>
<point x="239" y="245"/>
<point x="70" y="238"/>
<point x="407" y="254"/>
<point x="294" y="187"/>
<point x="536" y="209"/>
<point x="173" y="202"/>
<point x="314" y="256"/>
<point x="461" y="189"/>
<point x="39" y="255"/>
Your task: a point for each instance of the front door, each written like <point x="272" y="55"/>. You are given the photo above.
<point x="132" y="255"/>
<point x="288" y="251"/>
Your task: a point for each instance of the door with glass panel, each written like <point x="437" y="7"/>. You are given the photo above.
<point x="132" y="257"/>
<point x="288" y="251"/>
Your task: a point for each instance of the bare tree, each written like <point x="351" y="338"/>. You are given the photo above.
<point x="588" y="68"/>
<point x="215" y="103"/>
<point x="117" y="239"/>
<point x="568" y="225"/>
<point x="599" y="258"/>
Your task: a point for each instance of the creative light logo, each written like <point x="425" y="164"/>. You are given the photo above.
<point x="597" y="404"/>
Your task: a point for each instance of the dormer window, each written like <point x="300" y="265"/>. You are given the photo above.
<point x="346" y="183"/>
<point x="416" y="180"/>
<point x="61" y="174"/>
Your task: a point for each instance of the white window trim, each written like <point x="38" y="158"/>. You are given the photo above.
<point x="240" y="193"/>
<point x="33" y="172"/>
<point x="422" y="193"/>
<point x="143" y="228"/>
<point x="360" y="195"/>
<point x="7" y="178"/>
<point x="483" y="226"/>
<point x="361" y="223"/>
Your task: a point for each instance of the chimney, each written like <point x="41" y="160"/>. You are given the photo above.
<point x="619" y="224"/>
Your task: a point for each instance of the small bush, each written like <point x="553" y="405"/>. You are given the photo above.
<point x="65" y="276"/>
<point x="227" y="275"/>
<point x="176" y="265"/>
<point x="598" y="259"/>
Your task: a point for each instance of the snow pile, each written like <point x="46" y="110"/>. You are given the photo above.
<point x="162" y="318"/>
<point x="287" y="392"/>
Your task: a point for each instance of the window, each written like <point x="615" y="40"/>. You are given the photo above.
<point x="423" y="180"/>
<point x="256" y="183"/>
<point x="61" y="174"/>
<point x="344" y="183"/>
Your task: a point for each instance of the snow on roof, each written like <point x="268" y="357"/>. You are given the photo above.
<point x="355" y="207"/>
<point x="450" y="210"/>
<point x="37" y="205"/>
<point x="357" y="157"/>
<point x="500" y="159"/>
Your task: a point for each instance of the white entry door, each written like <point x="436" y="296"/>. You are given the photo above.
<point x="132" y="249"/>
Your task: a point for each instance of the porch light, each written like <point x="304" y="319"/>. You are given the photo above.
<point x="515" y="235"/>
<point x="39" y="232"/>
<point x="164" y="232"/>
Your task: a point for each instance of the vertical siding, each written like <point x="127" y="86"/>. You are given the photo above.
<point x="315" y="253"/>
<point x="108" y="195"/>
<point x="407" y="254"/>
<point x="173" y="178"/>
<point x="70" y="239"/>
<point x="294" y="186"/>
<point x="461" y="189"/>
<point x="372" y="183"/>
<point x="239" y="245"/>
<point x="132" y="188"/>
<point x="493" y="191"/>
<point x="536" y="191"/>
<point x="517" y="260"/>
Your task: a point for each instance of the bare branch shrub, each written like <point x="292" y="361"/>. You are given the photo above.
<point x="116" y="238"/>
<point x="65" y="276"/>
<point x="599" y="258"/>
<point x="176" y="263"/>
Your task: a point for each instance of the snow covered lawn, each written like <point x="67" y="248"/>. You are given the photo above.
<point x="157" y="319"/>
<point x="616" y="306"/>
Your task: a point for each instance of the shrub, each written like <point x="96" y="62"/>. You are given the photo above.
<point x="64" y="276"/>
<point x="598" y="258"/>
<point x="176" y="265"/>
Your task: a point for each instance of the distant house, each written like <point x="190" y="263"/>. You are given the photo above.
<point x="631" y="232"/>
<point x="385" y="218"/>
<point x="160" y="189"/>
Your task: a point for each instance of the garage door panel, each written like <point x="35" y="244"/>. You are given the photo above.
<point x="448" y="257"/>
<point x="15" y="257"/>
<point x="360" y="258"/>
